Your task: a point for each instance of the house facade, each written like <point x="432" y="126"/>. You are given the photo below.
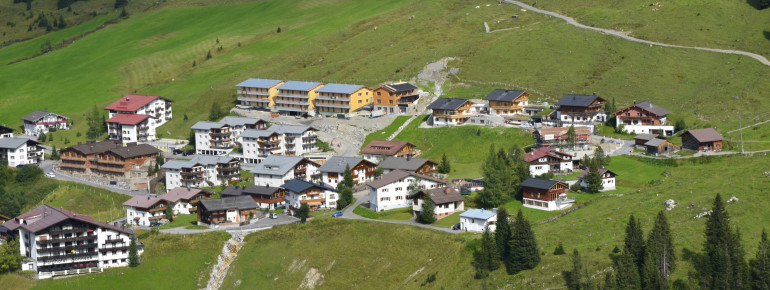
<point x="266" y="197"/>
<point x="332" y="171"/>
<point x="477" y="220"/>
<point x="20" y="151"/>
<point x="317" y="196"/>
<point x="58" y="242"/>
<point x="202" y="171"/>
<point x="82" y="158"/>
<point x="507" y="103"/>
<point x="660" y="146"/>
<point x="145" y="210"/>
<point x="608" y="179"/>
<point x="185" y="200"/>
<point x="6" y="132"/>
<point x="447" y="201"/>
<point x="123" y="161"/>
<point x="296" y="98"/>
<point x="417" y="165"/>
<point x="258" y="93"/>
<point x="276" y="170"/>
<point x="333" y="99"/>
<point x="157" y="108"/>
<point x="543" y="160"/>
<point x="450" y="111"/>
<point x="545" y="194"/>
<point x="236" y="209"/>
<point x="558" y="137"/>
<point x="220" y="138"/>
<point x="395" y="98"/>
<point x="702" y="140"/>
<point x="43" y="121"/>
<point x="644" y="118"/>
<point x="391" y="190"/>
<point x="379" y="150"/>
<point x="581" y="110"/>
<point x="128" y="128"/>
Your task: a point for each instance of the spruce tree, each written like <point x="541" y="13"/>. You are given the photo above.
<point x="571" y="137"/>
<point x="627" y="273"/>
<point x="169" y="210"/>
<point x="524" y="254"/>
<point x="347" y="178"/>
<point x="486" y="259"/>
<point x="133" y="253"/>
<point x="760" y="265"/>
<point x="444" y="167"/>
<point x="494" y="192"/>
<point x="428" y="213"/>
<point x="634" y="243"/>
<point x="609" y="282"/>
<point x="41" y="138"/>
<point x="54" y="153"/>
<point x="594" y="178"/>
<point x="651" y="279"/>
<point x="660" y="250"/>
<point x="573" y="278"/>
<point x="725" y="267"/>
<point x="303" y="212"/>
<point x="215" y="113"/>
<point x="503" y="233"/>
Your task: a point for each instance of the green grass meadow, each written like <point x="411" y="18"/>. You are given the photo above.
<point x="385" y="133"/>
<point x="98" y="203"/>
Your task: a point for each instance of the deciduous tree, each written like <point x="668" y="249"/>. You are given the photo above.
<point x="303" y="212"/>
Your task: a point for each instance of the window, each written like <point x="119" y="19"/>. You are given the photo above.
<point x="379" y="101"/>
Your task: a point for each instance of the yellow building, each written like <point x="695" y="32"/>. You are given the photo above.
<point x="258" y="93"/>
<point x="296" y="98"/>
<point x="335" y="99"/>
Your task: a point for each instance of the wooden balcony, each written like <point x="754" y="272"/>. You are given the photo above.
<point x="321" y="200"/>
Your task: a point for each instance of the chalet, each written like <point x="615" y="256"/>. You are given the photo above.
<point x="316" y="195"/>
<point x="296" y="98"/>
<point x="236" y="209"/>
<point x="416" y="165"/>
<point x="557" y="137"/>
<point x="219" y="138"/>
<point x="6" y="132"/>
<point x="333" y="170"/>
<point x="392" y="190"/>
<point x="543" y="160"/>
<point x="185" y="200"/>
<point x="644" y="118"/>
<point x="378" y="150"/>
<point x="450" y="111"/>
<point x="20" y="151"/>
<point x="258" y="93"/>
<point x="130" y="128"/>
<point x="447" y="200"/>
<point x="202" y="171"/>
<point x="157" y="108"/>
<point x="507" y="103"/>
<point x="39" y="122"/>
<point x="395" y="98"/>
<point x="120" y="161"/>
<point x="4" y="234"/>
<point x="334" y="99"/>
<point x="82" y="158"/>
<point x="266" y="197"/>
<point x="640" y="139"/>
<point x="608" y="179"/>
<point x="145" y="210"/>
<point x="660" y="146"/>
<point x="581" y="110"/>
<point x="276" y="170"/>
<point x="468" y="185"/>
<point x="702" y="140"/>
<point x="477" y="220"/>
<point x="58" y="242"/>
<point x="545" y="194"/>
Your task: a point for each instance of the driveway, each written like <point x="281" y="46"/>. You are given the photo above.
<point x="363" y="196"/>
<point x="264" y="223"/>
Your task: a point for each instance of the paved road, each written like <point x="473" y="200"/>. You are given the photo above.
<point x="264" y="223"/>
<point x="363" y="196"/>
<point x="48" y="166"/>
<point x="620" y="34"/>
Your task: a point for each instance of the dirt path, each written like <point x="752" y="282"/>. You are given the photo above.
<point x="621" y="34"/>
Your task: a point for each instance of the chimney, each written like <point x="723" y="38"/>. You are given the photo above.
<point x="447" y="190"/>
<point x="634" y="102"/>
<point x="594" y="93"/>
<point x="128" y="99"/>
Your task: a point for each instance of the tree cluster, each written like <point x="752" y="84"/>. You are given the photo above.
<point x="514" y="245"/>
<point x="216" y="112"/>
<point x="96" y="124"/>
<point x="503" y="173"/>
<point x="428" y="212"/>
<point x="20" y="188"/>
<point x="345" y="188"/>
<point x="10" y="259"/>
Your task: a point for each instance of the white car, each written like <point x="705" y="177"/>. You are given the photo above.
<point x="50" y="174"/>
<point x="273" y="215"/>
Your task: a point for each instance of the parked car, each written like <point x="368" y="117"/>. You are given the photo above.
<point x="188" y="152"/>
<point x="50" y="174"/>
<point x="337" y="214"/>
<point x="273" y="215"/>
<point x="177" y="151"/>
<point x="456" y="227"/>
<point x="20" y="166"/>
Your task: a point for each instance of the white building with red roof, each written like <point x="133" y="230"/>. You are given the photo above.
<point x="184" y="200"/>
<point x="145" y="210"/>
<point x="134" y="118"/>
<point x="543" y="160"/>
<point x="58" y="242"/>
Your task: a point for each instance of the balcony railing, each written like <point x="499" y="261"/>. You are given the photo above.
<point x="68" y="231"/>
<point x="328" y="105"/>
<point x="68" y="248"/>
<point x="64" y="240"/>
<point x="107" y="249"/>
<point x="254" y="93"/>
<point x="220" y="134"/>
<point x="332" y="98"/>
<point x="301" y="103"/>
<point x="67" y="256"/>
<point x="287" y="95"/>
<point x="223" y="146"/>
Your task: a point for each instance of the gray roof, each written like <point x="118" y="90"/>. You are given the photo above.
<point x="178" y="164"/>
<point x="252" y="133"/>
<point x="339" y="88"/>
<point x="206" y="125"/>
<point x="37" y="115"/>
<point x="298" y="86"/>
<point x="504" y="95"/>
<point x="447" y="103"/>
<point x="239" y="121"/>
<point x="299" y="185"/>
<point x="400" y="87"/>
<point x="577" y="100"/>
<point x="276" y="164"/>
<point x="655" y="142"/>
<point x="235" y="202"/>
<point x="602" y="171"/>
<point x="45" y="216"/>
<point x="444" y="195"/>
<point x="655" y="109"/>
<point x="92" y="147"/>
<point x="408" y="164"/>
<point x="705" y="135"/>
<point x="476" y="213"/>
<point x="289" y="129"/>
<point x="142" y="201"/>
<point x="15" y="142"/>
<point x="646" y="137"/>
<point x="538" y="183"/>
<point x="397" y="175"/>
<point x="211" y="160"/>
<point x="338" y="163"/>
<point x="4" y="129"/>
<point x="259" y="83"/>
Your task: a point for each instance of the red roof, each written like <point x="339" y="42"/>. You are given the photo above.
<point x="542" y="152"/>
<point x="131" y="103"/>
<point x="127" y="119"/>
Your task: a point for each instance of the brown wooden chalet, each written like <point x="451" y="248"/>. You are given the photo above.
<point x="379" y="149"/>
<point x="581" y="109"/>
<point x="395" y="97"/>
<point x="416" y="165"/>
<point x="83" y="157"/>
<point x="185" y="200"/>
<point x="660" y="146"/>
<point x="265" y="196"/>
<point x="118" y="161"/>
<point x="557" y="137"/>
<point x="507" y="102"/>
<point x="451" y="111"/>
<point x="545" y="194"/>
<point x="641" y="139"/>
<point x="236" y="209"/>
<point x="362" y="170"/>
<point x="702" y="140"/>
<point x="543" y="160"/>
<point x="642" y="113"/>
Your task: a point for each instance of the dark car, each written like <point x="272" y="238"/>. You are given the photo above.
<point x="188" y="152"/>
<point x="20" y="166"/>
<point x="177" y="151"/>
<point x="456" y="227"/>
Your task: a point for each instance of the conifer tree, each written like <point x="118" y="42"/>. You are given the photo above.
<point x="215" y="113"/>
<point x="660" y="251"/>
<point x="444" y="167"/>
<point x="133" y="254"/>
<point x="609" y="282"/>
<point x="571" y="137"/>
<point x="41" y="138"/>
<point x="573" y="279"/>
<point x="427" y="215"/>
<point x="347" y="179"/>
<point x="760" y="265"/>
<point x="594" y="178"/>
<point x="486" y="259"/>
<point x="627" y="273"/>
<point x="303" y="212"/>
<point x="503" y="232"/>
<point x="650" y="277"/>
<point x="54" y="153"/>
<point x="523" y="253"/>
<point x="634" y="242"/>
<point x="725" y="267"/>
<point x="169" y="210"/>
<point x="494" y="192"/>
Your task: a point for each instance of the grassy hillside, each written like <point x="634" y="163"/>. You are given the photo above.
<point x="98" y="203"/>
<point x="169" y="262"/>
<point x="153" y="53"/>
<point x="385" y="133"/>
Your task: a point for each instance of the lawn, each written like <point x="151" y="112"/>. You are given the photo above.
<point x="182" y="220"/>
<point x="609" y="131"/>
<point x="449" y="221"/>
<point x="385" y="133"/>
<point x="98" y="203"/>
<point x="463" y="145"/>
<point x="190" y="256"/>
<point x="391" y="214"/>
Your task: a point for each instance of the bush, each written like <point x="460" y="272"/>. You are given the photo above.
<point x="575" y="187"/>
<point x="559" y="250"/>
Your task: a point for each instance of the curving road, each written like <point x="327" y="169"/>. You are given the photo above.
<point x="620" y="34"/>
